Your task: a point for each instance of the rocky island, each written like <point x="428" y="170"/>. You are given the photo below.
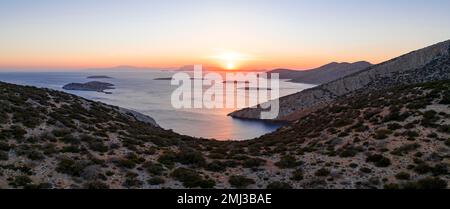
<point x="256" y="89"/>
<point x="99" y="77"/>
<point x="163" y="79"/>
<point x="89" y="86"/>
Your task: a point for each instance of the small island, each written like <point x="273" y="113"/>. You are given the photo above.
<point x="169" y="79"/>
<point x="90" y="86"/>
<point x="256" y="89"/>
<point x="236" y="82"/>
<point x="162" y="79"/>
<point x="99" y="77"/>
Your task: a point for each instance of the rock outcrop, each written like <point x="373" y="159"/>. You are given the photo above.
<point x="99" y="77"/>
<point x="139" y="116"/>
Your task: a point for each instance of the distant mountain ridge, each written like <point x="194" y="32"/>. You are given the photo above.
<point x="425" y="65"/>
<point x="323" y="74"/>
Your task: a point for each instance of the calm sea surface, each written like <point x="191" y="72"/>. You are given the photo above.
<point x="138" y="90"/>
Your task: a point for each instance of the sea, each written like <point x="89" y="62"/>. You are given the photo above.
<point x="140" y="90"/>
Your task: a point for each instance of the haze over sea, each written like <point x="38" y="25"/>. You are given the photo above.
<point x="138" y="90"/>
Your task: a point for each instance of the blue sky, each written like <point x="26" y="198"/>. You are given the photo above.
<point x="277" y="33"/>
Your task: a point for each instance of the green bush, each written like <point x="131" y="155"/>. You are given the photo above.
<point x="253" y="162"/>
<point x="433" y="135"/>
<point x="395" y="115"/>
<point x="17" y="132"/>
<point x="35" y="155"/>
<point x="190" y="157"/>
<point x="418" y="104"/>
<point x="426" y="184"/>
<point x="49" y="149"/>
<point x="348" y="152"/>
<point x="279" y="185"/>
<point x="20" y="181"/>
<point x="444" y="129"/>
<point x="445" y="99"/>
<point x="394" y="126"/>
<point x="132" y="181"/>
<point x="38" y="186"/>
<point x="216" y="166"/>
<point x="154" y="168"/>
<point x="322" y="172"/>
<point x="70" y="139"/>
<point x="382" y="134"/>
<point x="391" y="186"/>
<point x="379" y="160"/>
<point x="240" y="182"/>
<point x="216" y="156"/>
<point x="71" y="149"/>
<point x="231" y="163"/>
<point x="168" y="158"/>
<point x="4" y="156"/>
<point x="405" y="149"/>
<point x="447" y="142"/>
<point x="422" y="168"/>
<point x="439" y="169"/>
<point x="403" y="176"/>
<point x="353" y="165"/>
<point x="3" y="117"/>
<point x="96" y="185"/>
<point x="411" y="134"/>
<point x="297" y="175"/>
<point x="287" y="161"/>
<point x="341" y="122"/>
<point x="191" y="179"/>
<point x="71" y="167"/>
<point x="430" y="114"/>
<point x="99" y="147"/>
<point x="156" y="181"/>
<point x="429" y="118"/>
<point x="126" y="163"/>
<point x="4" y="146"/>
<point x="60" y="132"/>
<point x="207" y="184"/>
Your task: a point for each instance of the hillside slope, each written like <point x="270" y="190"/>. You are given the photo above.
<point x="396" y="139"/>
<point x="425" y="65"/>
<point x="323" y="74"/>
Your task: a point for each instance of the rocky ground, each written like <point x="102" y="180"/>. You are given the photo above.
<point x="398" y="138"/>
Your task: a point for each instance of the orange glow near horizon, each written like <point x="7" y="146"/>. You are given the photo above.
<point x="174" y="57"/>
<point x="221" y="59"/>
<point x="231" y="60"/>
<point x="106" y="63"/>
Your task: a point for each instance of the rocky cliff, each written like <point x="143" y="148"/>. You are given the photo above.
<point x="424" y="65"/>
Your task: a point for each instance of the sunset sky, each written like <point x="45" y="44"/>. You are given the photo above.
<point x="253" y="34"/>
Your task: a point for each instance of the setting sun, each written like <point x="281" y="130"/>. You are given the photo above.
<point x="231" y="60"/>
<point x="231" y="66"/>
